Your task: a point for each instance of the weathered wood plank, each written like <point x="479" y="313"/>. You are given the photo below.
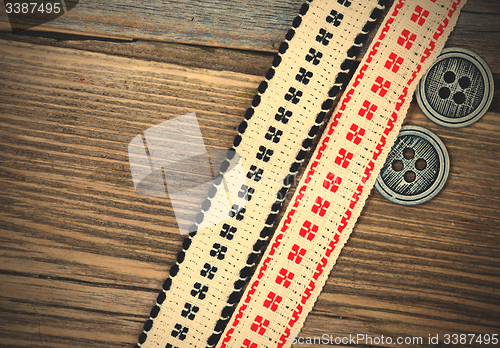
<point x="77" y="241"/>
<point x="244" y="25"/>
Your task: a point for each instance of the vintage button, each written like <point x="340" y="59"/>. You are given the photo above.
<point x="457" y="89"/>
<point x="416" y="168"/>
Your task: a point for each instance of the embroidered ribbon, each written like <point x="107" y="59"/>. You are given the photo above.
<point x="197" y="299"/>
<point x="331" y="194"/>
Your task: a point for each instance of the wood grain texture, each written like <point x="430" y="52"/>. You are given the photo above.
<point x="243" y="25"/>
<point x="82" y="256"/>
<point x="253" y="24"/>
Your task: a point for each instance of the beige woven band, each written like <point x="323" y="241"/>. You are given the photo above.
<point x="337" y="181"/>
<point x="197" y="299"/>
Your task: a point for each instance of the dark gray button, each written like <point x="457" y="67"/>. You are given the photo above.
<point x="457" y="89"/>
<point x="416" y="168"/>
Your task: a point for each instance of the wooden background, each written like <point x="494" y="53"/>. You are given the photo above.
<point x="82" y="256"/>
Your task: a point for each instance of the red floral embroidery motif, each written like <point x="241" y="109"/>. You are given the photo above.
<point x="259" y="325"/>
<point x="272" y="301"/>
<point x="367" y="110"/>
<point x="355" y="134"/>
<point x="248" y="344"/>
<point x="344" y="158"/>
<point x="308" y="230"/>
<point x="406" y="39"/>
<point x="420" y="15"/>
<point x="394" y="62"/>
<point x="320" y="206"/>
<point x="296" y="254"/>
<point x="381" y="86"/>
<point x="332" y="182"/>
<point x="284" y="278"/>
